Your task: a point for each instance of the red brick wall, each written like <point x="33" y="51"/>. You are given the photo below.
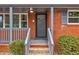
<point x="60" y="29"/>
<point x="31" y="17"/>
<point x="48" y="18"/>
<point x="4" y="47"/>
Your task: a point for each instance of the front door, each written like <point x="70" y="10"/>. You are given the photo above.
<point x="41" y="30"/>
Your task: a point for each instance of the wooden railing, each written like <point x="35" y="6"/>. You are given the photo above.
<point x="4" y="35"/>
<point x="17" y="34"/>
<point x="50" y="42"/>
<point x="27" y="42"/>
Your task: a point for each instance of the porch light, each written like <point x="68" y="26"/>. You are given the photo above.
<point x="31" y="10"/>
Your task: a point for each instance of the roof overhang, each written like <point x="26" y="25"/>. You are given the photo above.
<point x="41" y="5"/>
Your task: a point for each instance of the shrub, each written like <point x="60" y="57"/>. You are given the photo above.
<point x="17" y="47"/>
<point x="68" y="45"/>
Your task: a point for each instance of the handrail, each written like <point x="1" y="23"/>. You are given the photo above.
<point x="27" y="36"/>
<point x="50" y="34"/>
<point x="50" y="42"/>
<point x="27" y="42"/>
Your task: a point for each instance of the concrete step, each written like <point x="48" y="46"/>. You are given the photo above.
<point x="38" y="51"/>
<point x="39" y="45"/>
<point x="5" y="53"/>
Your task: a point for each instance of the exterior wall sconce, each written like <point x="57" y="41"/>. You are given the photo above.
<point x="31" y="10"/>
<point x="33" y="20"/>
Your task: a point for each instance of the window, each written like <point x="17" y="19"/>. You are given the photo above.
<point x="4" y="17"/>
<point x="73" y="16"/>
<point x="16" y="20"/>
<point x="1" y="21"/>
<point x="4" y="20"/>
<point x="7" y="23"/>
<point x="23" y="20"/>
<point x="20" y="17"/>
<point x="20" y="20"/>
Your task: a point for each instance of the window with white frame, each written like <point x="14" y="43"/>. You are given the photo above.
<point x="16" y="20"/>
<point x="4" y="17"/>
<point x="4" y="20"/>
<point x="19" y="19"/>
<point x="1" y="20"/>
<point x="23" y="20"/>
<point x="7" y="22"/>
<point x="73" y="16"/>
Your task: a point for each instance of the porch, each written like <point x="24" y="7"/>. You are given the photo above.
<point x="16" y="22"/>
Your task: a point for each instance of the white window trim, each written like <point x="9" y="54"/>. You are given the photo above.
<point x="20" y="19"/>
<point x="72" y="17"/>
<point x="3" y="14"/>
<point x="3" y="20"/>
<point x="27" y="20"/>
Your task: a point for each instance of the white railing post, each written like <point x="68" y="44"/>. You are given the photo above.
<point x="11" y="21"/>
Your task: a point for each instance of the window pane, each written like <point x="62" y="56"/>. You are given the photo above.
<point x="74" y="14"/>
<point x="23" y="20"/>
<point x="73" y="20"/>
<point x="23" y="17"/>
<point x="70" y="13"/>
<point x="1" y="21"/>
<point x="7" y="21"/>
<point x="15" y="20"/>
<point x="23" y="24"/>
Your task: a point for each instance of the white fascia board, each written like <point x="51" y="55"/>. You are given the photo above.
<point x="39" y="1"/>
<point x="26" y="1"/>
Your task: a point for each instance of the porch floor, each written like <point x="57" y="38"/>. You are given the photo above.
<point x="39" y="41"/>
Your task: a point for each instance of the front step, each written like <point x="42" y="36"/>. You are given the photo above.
<point x="39" y="45"/>
<point x="38" y="51"/>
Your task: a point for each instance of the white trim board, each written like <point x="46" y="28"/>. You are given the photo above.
<point x="39" y="2"/>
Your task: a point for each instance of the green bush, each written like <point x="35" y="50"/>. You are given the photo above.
<point x="68" y="45"/>
<point x="17" y="47"/>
